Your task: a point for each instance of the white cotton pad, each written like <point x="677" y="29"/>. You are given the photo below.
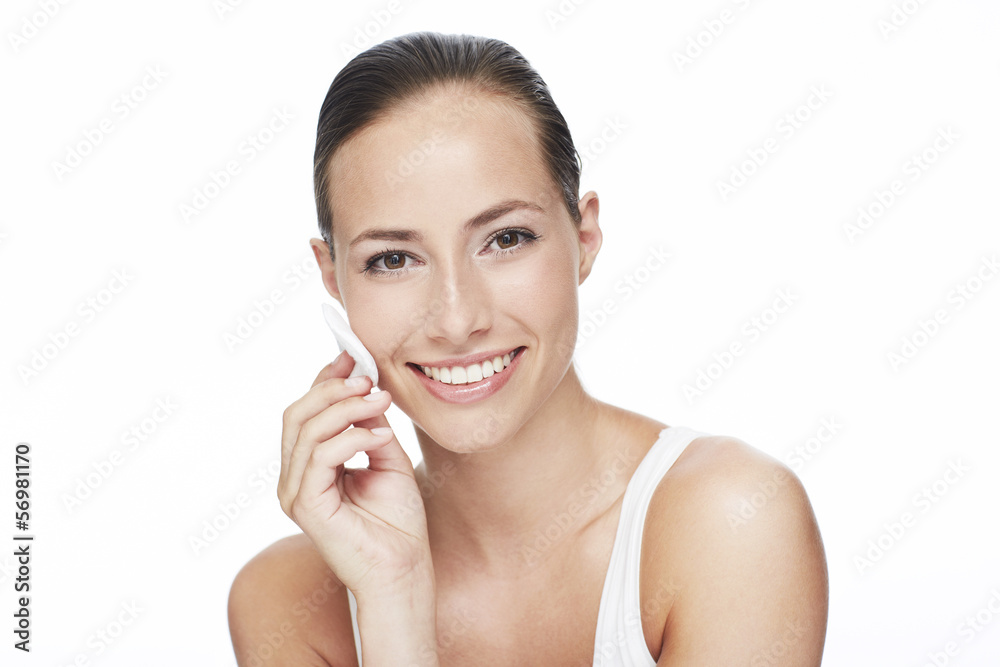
<point x="364" y="364"/>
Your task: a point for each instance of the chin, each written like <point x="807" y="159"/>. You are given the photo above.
<point x="480" y="435"/>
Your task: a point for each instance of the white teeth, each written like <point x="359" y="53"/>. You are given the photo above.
<point x="467" y="374"/>
<point x="475" y="373"/>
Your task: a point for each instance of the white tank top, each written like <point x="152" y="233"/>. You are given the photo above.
<point x="619" y="641"/>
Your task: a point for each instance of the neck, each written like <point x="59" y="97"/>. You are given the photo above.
<point x="526" y="499"/>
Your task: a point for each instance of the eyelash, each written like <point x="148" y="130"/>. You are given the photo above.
<point x="527" y="238"/>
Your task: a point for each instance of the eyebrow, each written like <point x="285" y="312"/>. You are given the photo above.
<point x="482" y="218"/>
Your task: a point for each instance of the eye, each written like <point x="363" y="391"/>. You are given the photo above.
<point x="393" y="260"/>
<point x="511" y="240"/>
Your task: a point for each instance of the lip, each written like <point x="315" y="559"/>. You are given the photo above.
<point x="470" y="393"/>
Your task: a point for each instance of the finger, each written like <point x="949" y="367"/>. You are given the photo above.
<point x="304" y="408"/>
<point x="392" y="456"/>
<point x="328" y="392"/>
<point x="324" y="426"/>
<point x="325" y="465"/>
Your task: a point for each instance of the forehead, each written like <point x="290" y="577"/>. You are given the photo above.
<point x="446" y="154"/>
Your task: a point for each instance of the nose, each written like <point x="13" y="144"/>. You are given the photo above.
<point x="459" y="305"/>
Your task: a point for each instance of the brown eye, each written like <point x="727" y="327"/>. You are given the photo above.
<point x="507" y="240"/>
<point x="394" y="261"/>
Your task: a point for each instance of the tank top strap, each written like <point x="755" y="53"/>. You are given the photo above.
<point x="619" y="641"/>
<point x="353" y="602"/>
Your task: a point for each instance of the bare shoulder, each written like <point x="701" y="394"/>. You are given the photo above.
<point x="724" y="473"/>
<point x="735" y="529"/>
<point x="286" y="607"/>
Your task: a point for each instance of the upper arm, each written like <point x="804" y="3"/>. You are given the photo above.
<point x="287" y="608"/>
<point x="754" y="579"/>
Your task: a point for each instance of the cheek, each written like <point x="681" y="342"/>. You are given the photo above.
<point x="379" y="318"/>
<point x="544" y="291"/>
<point x="548" y="290"/>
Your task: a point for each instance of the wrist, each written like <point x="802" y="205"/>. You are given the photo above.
<point x="398" y="624"/>
<point x="417" y="580"/>
<point x="417" y="585"/>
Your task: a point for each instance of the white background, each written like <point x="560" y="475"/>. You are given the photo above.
<point x="683" y="128"/>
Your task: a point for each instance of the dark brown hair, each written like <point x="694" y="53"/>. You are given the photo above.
<point x="397" y="70"/>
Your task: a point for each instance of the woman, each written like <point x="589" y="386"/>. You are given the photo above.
<point x="455" y="238"/>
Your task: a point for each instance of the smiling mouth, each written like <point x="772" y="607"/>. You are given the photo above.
<point x="471" y="373"/>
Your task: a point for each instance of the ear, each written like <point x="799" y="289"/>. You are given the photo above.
<point x="327" y="267"/>
<point x="590" y="233"/>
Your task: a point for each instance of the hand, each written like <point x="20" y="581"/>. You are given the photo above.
<point x="368" y="524"/>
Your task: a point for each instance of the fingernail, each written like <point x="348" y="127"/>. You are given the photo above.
<point x="382" y="431"/>
<point x="339" y="357"/>
<point x="355" y="381"/>
<point x="374" y="396"/>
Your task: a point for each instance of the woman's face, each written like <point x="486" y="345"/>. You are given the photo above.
<point x="451" y="239"/>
